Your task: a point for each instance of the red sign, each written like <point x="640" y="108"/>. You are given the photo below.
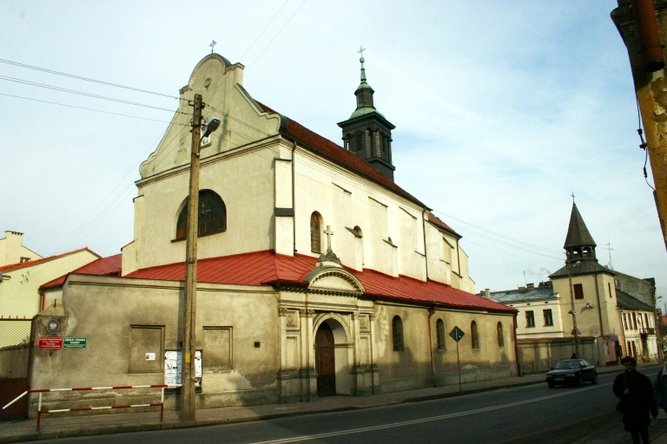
<point x="50" y="342"/>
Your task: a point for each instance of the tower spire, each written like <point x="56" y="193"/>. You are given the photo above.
<point x="367" y="133"/>
<point x="362" y="60"/>
<point x="579" y="244"/>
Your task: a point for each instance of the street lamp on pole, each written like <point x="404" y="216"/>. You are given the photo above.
<point x="187" y="411"/>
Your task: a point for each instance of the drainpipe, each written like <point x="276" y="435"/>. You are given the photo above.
<point x="516" y="346"/>
<point x="293" y="199"/>
<point x="597" y="297"/>
<point x="431" y="312"/>
<point x="425" y="249"/>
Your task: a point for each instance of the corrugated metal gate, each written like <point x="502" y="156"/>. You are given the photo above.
<point x="15" y="342"/>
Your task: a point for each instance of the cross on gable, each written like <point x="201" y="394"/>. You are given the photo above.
<point x="329" y="233"/>
<point x="212" y="45"/>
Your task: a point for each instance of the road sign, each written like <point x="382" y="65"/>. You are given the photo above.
<point x="50" y="342"/>
<point x="74" y="343"/>
<point x="456" y="333"/>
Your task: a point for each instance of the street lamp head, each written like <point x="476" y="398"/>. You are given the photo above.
<point x="211" y="126"/>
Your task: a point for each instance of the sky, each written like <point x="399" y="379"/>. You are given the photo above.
<point x="503" y="111"/>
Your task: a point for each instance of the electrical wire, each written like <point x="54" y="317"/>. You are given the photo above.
<point x="84" y="108"/>
<point x="278" y="33"/>
<point x="87" y="79"/>
<point x="82" y="93"/>
<point x="263" y="30"/>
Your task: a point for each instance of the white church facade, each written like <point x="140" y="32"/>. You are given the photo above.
<point x="317" y="274"/>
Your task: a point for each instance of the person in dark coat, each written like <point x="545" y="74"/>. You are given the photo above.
<point x="635" y="393"/>
<point x="660" y="387"/>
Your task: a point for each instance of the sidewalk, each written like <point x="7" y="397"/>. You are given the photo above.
<point x="62" y="425"/>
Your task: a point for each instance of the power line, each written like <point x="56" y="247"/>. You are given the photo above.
<point x="84" y="108"/>
<point x="82" y="93"/>
<point x="278" y="33"/>
<point x="263" y="30"/>
<point x="87" y="79"/>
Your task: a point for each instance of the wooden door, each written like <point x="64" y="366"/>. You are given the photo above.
<point x="325" y="363"/>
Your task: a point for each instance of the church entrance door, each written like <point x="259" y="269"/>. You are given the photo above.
<point x="325" y="361"/>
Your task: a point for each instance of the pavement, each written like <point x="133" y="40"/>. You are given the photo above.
<point x="60" y="425"/>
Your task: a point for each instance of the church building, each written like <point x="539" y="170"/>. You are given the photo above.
<point x="317" y="274"/>
<point x="586" y="308"/>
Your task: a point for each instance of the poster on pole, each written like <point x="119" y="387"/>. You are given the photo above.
<point x="173" y="372"/>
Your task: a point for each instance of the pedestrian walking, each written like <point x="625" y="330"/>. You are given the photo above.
<point x="660" y="387"/>
<point x="636" y="400"/>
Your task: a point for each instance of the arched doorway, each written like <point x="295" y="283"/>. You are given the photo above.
<point x="325" y="361"/>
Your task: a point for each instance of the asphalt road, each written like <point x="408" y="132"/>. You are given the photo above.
<point x="525" y="414"/>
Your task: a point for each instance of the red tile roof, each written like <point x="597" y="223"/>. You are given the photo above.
<point x="101" y="267"/>
<point x="27" y="264"/>
<point x="268" y="268"/>
<point x="439" y="223"/>
<point x="335" y="153"/>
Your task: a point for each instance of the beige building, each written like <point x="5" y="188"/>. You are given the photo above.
<point x="586" y="308"/>
<point x="20" y="297"/>
<point x="317" y="273"/>
<point x="12" y="250"/>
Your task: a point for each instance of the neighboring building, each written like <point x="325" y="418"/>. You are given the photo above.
<point x="12" y="250"/>
<point x="317" y="274"/>
<point x="586" y="308"/>
<point x="642" y="25"/>
<point x="20" y="297"/>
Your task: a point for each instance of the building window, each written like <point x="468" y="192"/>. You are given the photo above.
<point x="212" y="215"/>
<point x="578" y="291"/>
<point x="440" y="334"/>
<point x="530" y="319"/>
<point x="501" y="338"/>
<point x="397" y="333"/>
<point x="474" y="337"/>
<point x="316" y="232"/>
<point x="548" y="317"/>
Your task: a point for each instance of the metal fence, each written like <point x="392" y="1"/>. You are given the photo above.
<point x="14" y="363"/>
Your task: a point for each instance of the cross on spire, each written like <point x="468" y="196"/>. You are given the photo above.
<point x="212" y="45"/>
<point x="329" y="233"/>
<point x="361" y="51"/>
<point x="573" y="198"/>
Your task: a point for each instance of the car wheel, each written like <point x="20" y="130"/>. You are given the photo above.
<point x="579" y="381"/>
<point x="551" y="384"/>
<point x="594" y="380"/>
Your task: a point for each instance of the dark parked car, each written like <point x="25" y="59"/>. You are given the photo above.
<point x="572" y="371"/>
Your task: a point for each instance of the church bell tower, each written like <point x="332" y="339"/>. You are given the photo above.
<point x="367" y="133"/>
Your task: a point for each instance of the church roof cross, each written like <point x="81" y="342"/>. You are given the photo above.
<point x="329" y="233"/>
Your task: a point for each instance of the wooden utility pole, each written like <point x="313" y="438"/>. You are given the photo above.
<point x="190" y="291"/>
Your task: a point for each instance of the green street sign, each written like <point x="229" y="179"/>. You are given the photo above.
<point x="74" y="343"/>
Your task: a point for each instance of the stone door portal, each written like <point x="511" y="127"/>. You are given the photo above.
<point x="325" y="361"/>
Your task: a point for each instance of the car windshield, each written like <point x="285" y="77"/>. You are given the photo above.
<point x="563" y="365"/>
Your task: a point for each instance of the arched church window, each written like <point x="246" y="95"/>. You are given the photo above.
<point x="440" y="334"/>
<point x="397" y="333"/>
<point x="474" y="337"/>
<point x="212" y="215"/>
<point x="316" y="232"/>
<point x="499" y="332"/>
